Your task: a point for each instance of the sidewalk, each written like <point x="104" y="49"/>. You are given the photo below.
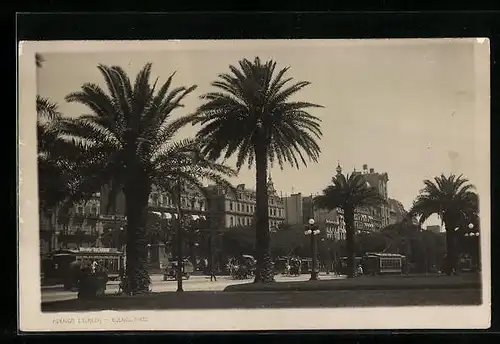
<point x="154" y="278"/>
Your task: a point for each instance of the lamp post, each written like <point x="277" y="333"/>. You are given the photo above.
<point x="426" y="264"/>
<point x="472" y="234"/>
<point x="313" y="232"/>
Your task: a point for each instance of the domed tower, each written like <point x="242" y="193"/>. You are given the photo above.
<point x="270" y="184"/>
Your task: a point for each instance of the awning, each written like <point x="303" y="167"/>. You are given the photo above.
<point x="157" y="213"/>
<point x="167" y="216"/>
<point x="195" y="217"/>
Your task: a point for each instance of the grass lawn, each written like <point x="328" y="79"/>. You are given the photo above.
<point x="284" y="299"/>
<point x="395" y="282"/>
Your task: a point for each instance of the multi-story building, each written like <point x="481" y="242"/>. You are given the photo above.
<point x="193" y="202"/>
<point x="379" y="182"/>
<point x="330" y="222"/>
<point x="230" y="210"/>
<point x="294" y="213"/>
<point x="194" y="207"/>
<point x="365" y="218"/>
<point x="84" y="224"/>
<point x="79" y="226"/>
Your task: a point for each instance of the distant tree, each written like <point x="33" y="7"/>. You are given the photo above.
<point x="453" y="200"/>
<point x="349" y="193"/>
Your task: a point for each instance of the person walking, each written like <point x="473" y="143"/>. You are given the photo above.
<point x="212" y="275"/>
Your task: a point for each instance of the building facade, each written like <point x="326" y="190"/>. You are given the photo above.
<point x="79" y="226"/>
<point x="330" y="222"/>
<point x="380" y="213"/>
<point x="231" y="210"/>
<point x="294" y="213"/>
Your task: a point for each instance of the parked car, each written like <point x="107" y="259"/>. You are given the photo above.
<point x="171" y="270"/>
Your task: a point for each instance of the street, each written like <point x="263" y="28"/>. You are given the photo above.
<point x="194" y="283"/>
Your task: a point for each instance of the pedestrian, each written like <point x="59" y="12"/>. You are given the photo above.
<point x="360" y="270"/>
<point x="212" y="275"/>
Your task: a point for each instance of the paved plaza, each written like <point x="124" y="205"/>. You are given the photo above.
<point x="194" y="283"/>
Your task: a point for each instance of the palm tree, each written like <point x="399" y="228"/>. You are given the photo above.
<point x="124" y="139"/>
<point x="54" y="166"/>
<point x="251" y="117"/>
<point x="182" y="167"/>
<point x="451" y="198"/>
<point x="348" y="193"/>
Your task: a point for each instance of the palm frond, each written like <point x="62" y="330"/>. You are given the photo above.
<point x="446" y="196"/>
<point x="46" y="109"/>
<point x="253" y="94"/>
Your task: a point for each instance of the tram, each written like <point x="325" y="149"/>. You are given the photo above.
<point x="383" y="263"/>
<point x="60" y="266"/>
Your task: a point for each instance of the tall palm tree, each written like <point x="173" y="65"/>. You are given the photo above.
<point x="451" y="198"/>
<point x="251" y="116"/>
<point x="348" y="192"/>
<point x="124" y="139"/>
<point x="182" y="167"/>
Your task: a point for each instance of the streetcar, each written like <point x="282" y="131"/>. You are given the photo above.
<point x="383" y="263"/>
<point x="62" y="266"/>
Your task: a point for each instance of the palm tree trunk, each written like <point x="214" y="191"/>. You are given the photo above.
<point x="264" y="269"/>
<point x="350" y="242"/>
<point x="451" y="256"/>
<point x="136" y="203"/>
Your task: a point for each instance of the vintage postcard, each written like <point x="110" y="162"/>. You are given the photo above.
<point x="254" y="185"/>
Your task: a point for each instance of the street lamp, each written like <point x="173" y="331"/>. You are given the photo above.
<point x="313" y="232"/>
<point x="425" y="250"/>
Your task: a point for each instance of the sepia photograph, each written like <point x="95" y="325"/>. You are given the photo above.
<point x="254" y="184"/>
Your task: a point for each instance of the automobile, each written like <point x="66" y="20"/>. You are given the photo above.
<point x="171" y="270"/>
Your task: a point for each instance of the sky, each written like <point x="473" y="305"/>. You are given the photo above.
<point x="402" y="107"/>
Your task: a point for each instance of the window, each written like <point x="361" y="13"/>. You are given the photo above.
<point x="239" y="209"/>
<point x="93" y="211"/>
<point x="247" y="221"/>
<point x="231" y="221"/>
<point x="248" y="209"/>
<point x="231" y="206"/>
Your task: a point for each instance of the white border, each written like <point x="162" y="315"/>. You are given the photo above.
<point x="31" y="318"/>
